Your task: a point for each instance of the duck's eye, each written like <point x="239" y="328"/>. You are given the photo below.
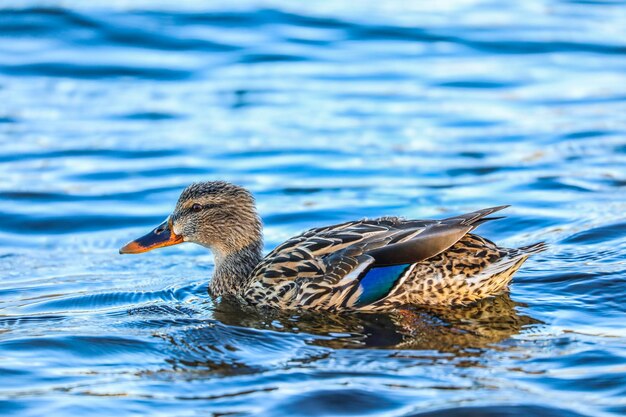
<point x="196" y="207"/>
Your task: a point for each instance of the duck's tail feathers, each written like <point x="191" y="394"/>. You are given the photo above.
<point x="509" y="262"/>
<point x="534" y="248"/>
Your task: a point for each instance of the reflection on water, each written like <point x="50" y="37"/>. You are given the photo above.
<point x="327" y="111"/>
<point x="456" y="330"/>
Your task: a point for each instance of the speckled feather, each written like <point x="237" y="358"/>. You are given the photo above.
<point x="322" y="268"/>
<point x="377" y="264"/>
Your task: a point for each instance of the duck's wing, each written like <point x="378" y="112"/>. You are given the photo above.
<point x="433" y="239"/>
<point x="330" y="266"/>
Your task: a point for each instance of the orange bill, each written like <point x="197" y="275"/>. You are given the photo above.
<point x="161" y="236"/>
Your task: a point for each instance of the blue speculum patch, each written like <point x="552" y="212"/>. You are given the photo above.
<point x="378" y="281"/>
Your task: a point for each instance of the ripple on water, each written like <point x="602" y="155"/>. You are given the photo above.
<point x="502" y="410"/>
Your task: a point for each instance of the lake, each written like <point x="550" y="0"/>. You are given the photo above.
<point x="327" y="112"/>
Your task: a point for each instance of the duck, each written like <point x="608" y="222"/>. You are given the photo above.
<point x="378" y="264"/>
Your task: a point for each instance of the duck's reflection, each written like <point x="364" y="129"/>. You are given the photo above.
<point x="454" y="330"/>
<point x="234" y="340"/>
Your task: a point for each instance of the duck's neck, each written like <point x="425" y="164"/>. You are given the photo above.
<point x="232" y="270"/>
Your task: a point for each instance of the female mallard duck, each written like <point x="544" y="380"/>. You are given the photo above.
<point x="377" y="264"/>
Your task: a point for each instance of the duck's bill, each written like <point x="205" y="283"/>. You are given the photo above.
<point x="161" y="236"/>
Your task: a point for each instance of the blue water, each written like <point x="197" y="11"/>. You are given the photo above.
<point x="328" y="111"/>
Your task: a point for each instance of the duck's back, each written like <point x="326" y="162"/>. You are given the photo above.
<point x="472" y="269"/>
<point x="381" y="263"/>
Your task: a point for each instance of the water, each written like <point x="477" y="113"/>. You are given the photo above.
<point x="328" y="112"/>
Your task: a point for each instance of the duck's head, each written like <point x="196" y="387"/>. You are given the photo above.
<point x="214" y="214"/>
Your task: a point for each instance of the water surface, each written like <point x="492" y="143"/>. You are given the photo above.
<point x="328" y="112"/>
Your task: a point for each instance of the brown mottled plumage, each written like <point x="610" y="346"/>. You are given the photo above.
<point x="370" y="265"/>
